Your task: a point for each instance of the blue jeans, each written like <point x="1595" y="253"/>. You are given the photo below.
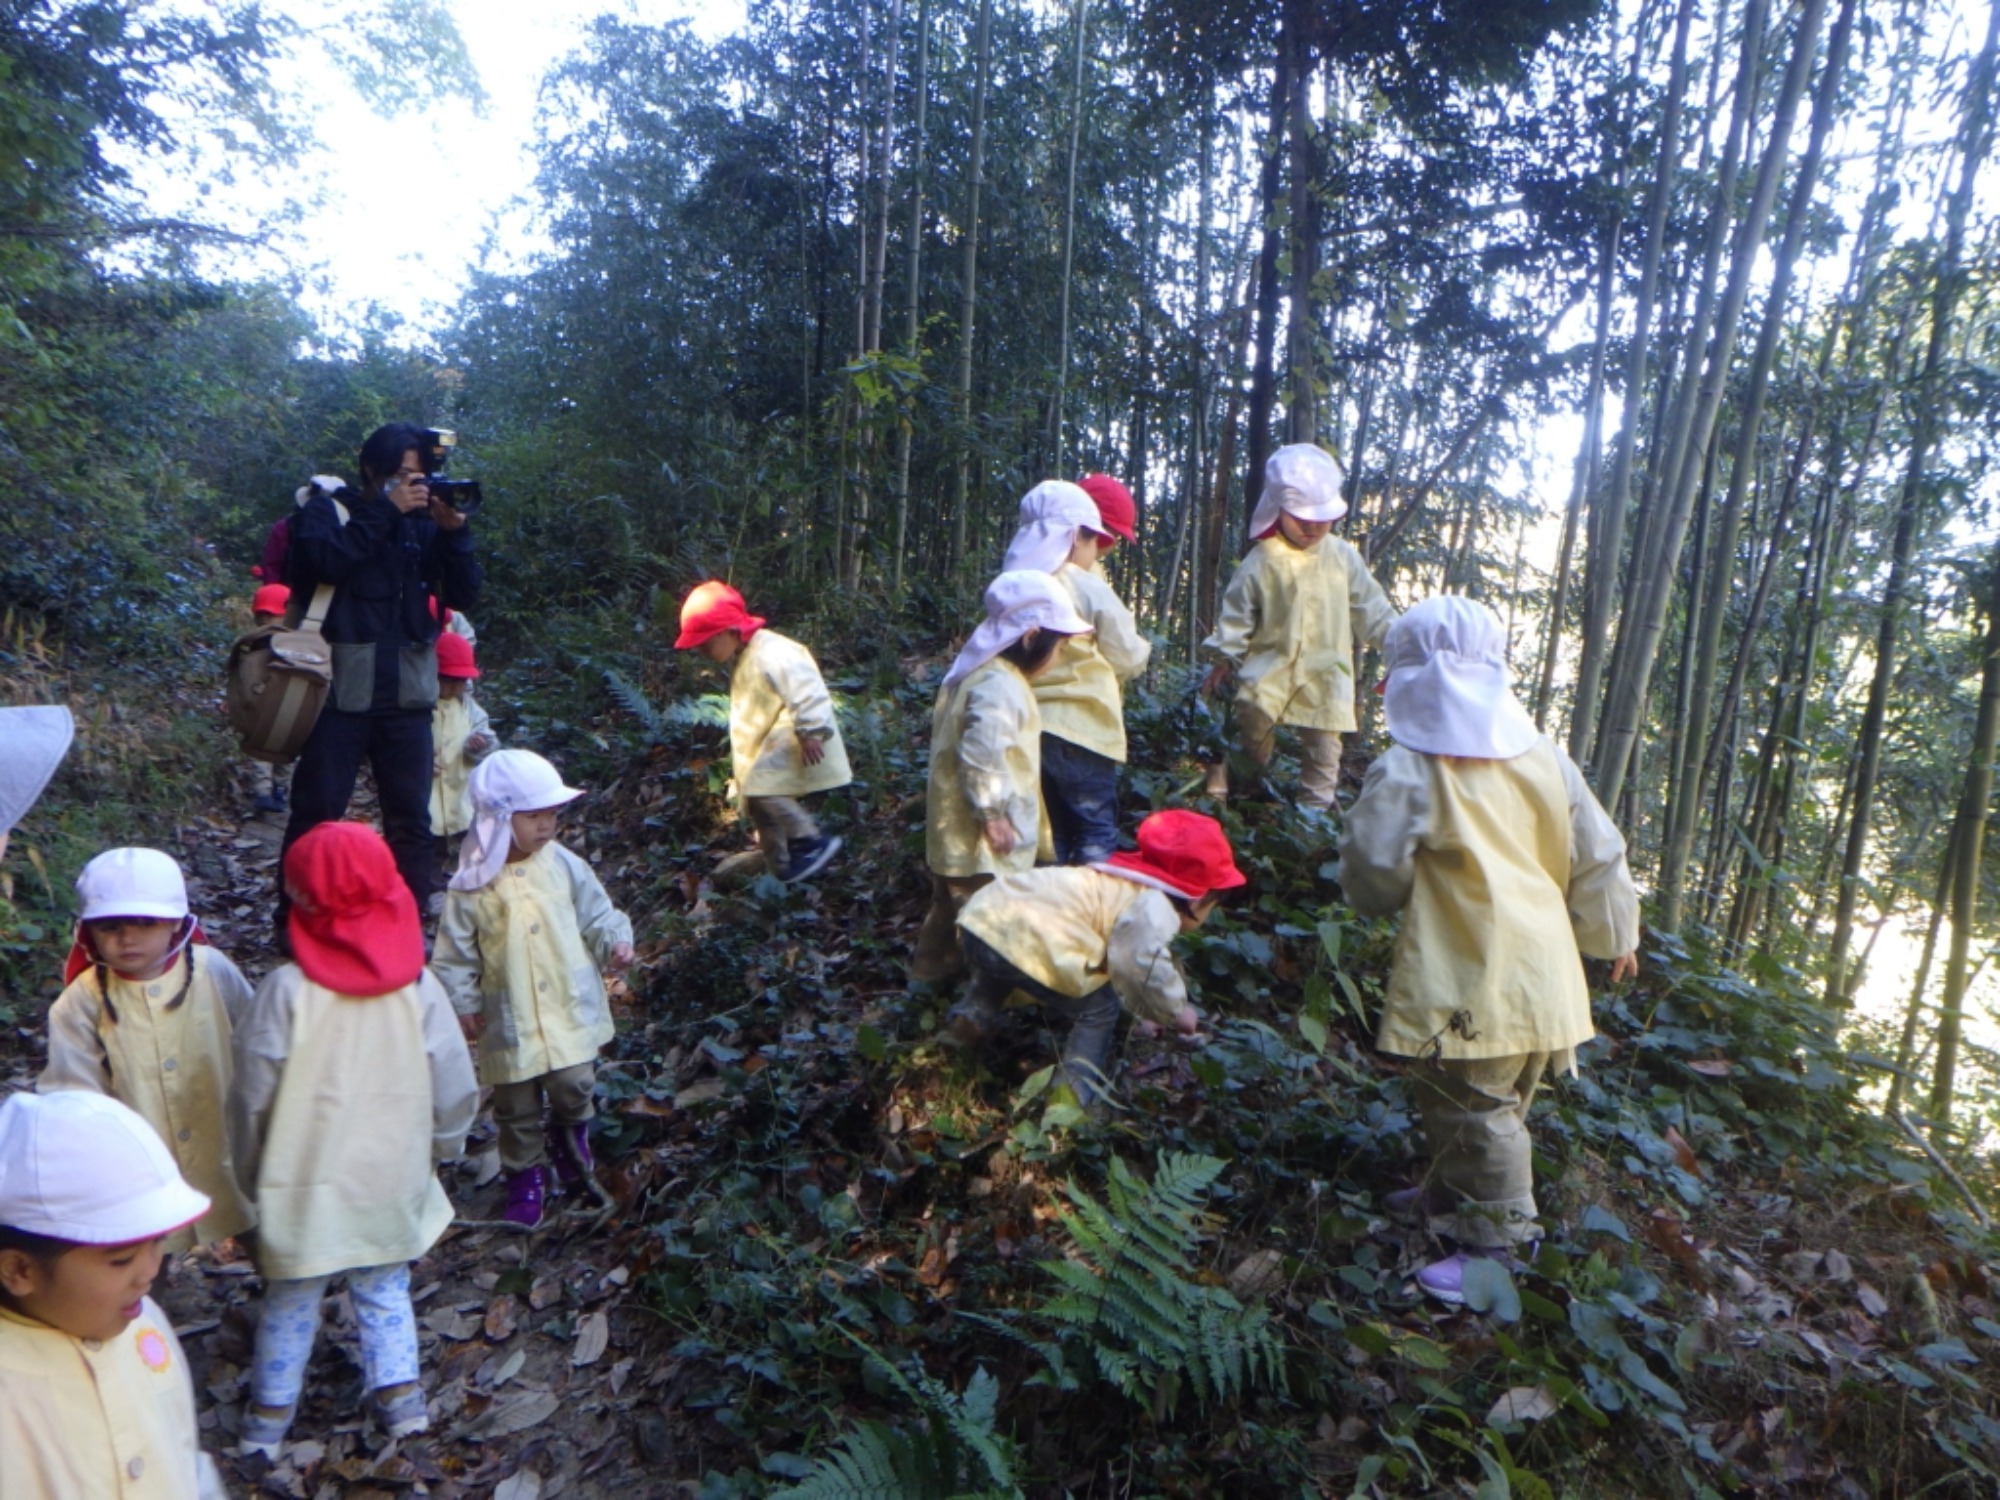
<point x="1080" y="790"/>
<point x="1086" y="1051"/>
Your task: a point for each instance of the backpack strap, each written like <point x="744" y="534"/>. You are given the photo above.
<point x="322" y="601"/>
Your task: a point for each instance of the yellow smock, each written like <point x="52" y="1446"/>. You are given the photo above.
<point x="454" y="721"/>
<point x="1080" y="692"/>
<point x="526" y="952"/>
<point x="343" y="1107"/>
<point x="775" y="695"/>
<point x="986" y="762"/>
<point x="1078" y="929"/>
<point x="1290" y="618"/>
<point x="170" y="1061"/>
<point x="1503" y="870"/>
<point x="91" y="1419"/>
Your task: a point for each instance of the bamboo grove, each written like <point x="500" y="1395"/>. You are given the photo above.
<point x="1665" y="326"/>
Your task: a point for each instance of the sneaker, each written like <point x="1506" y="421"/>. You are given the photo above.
<point x="1445" y="1279"/>
<point x="569" y="1150"/>
<point x="402" y="1415"/>
<point x="809" y="857"/>
<point x="526" y="1192"/>
<point x="1406" y="1204"/>
<point x="270" y="803"/>
<point x="263" y="1434"/>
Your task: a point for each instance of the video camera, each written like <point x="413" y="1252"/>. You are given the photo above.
<point x="462" y="495"/>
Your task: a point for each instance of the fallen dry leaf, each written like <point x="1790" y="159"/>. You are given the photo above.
<point x="524" y="1484"/>
<point x="1712" y="1067"/>
<point x="1524" y="1403"/>
<point x="1257" y="1275"/>
<point x="1872" y="1302"/>
<point x="456" y="1326"/>
<point x="1684" y="1153"/>
<point x="502" y="1317"/>
<point x="593" y="1334"/>
<point x="699" y="1093"/>
<point x="517" y="1414"/>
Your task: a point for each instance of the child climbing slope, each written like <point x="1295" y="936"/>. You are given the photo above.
<point x="147" y="1018"/>
<point x="783" y="741"/>
<point x="1481" y="831"/>
<point x="526" y="928"/>
<point x="1065" y="529"/>
<point x="983" y="803"/>
<point x="1291" y="614"/>
<point x="352" y="1083"/>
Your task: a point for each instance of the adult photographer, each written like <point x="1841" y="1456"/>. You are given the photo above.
<point x="386" y="548"/>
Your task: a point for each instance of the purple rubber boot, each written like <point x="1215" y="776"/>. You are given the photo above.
<point x="569" y="1149"/>
<point x="526" y="1190"/>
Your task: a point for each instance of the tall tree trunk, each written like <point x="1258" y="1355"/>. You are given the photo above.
<point x="1607" y="541"/>
<point x="1975" y="141"/>
<point x="1626" y="710"/>
<point x="1081" y="21"/>
<point x="1906" y="1045"/>
<point x="879" y="274"/>
<point x="1302" y="405"/>
<point x="968" y="306"/>
<point x="862" y="182"/>
<point x="1263" y="376"/>
<point x="913" y="295"/>
<point x="1691" y="784"/>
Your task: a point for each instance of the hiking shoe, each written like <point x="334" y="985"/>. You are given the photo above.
<point x="1406" y="1204"/>
<point x="569" y="1150"/>
<point x="401" y="1415"/>
<point x="269" y="802"/>
<point x="809" y="857"/>
<point x="526" y="1192"/>
<point x="263" y="1434"/>
<point x="1445" y="1279"/>
<point x="970" y="1024"/>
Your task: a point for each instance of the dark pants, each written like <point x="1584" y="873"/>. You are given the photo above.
<point x="397" y="746"/>
<point x="1086" y="1051"/>
<point x="1080" y="790"/>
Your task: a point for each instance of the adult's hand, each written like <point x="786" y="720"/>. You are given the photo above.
<point x="408" y="492"/>
<point x="446" y="518"/>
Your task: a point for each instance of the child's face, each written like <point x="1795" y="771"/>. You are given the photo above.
<point x="533" y="831"/>
<point x="1197" y="912"/>
<point x="89" y="1291"/>
<point x="721" y="648"/>
<point x="1302" y="534"/>
<point x="451" y="689"/>
<point x="1087" y="548"/>
<point x="134" y="946"/>
<point x="266" y="619"/>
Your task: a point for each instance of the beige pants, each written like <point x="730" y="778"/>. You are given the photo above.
<point x="779" y="820"/>
<point x="1319" y="756"/>
<point x="517" y="1110"/>
<point x="938" y="956"/>
<point x="1475" y="1114"/>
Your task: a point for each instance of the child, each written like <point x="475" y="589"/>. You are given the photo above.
<point x="983" y="805"/>
<point x="526" y="928"/>
<point x="1482" y="831"/>
<point x="352" y="1081"/>
<point x="1082" y="941"/>
<point x="1064" y="531"/>
<point x="783" y="741"/>
<point x="94" y="1391"/>
<point x="1291" y="614"/>
<point x="269" y="782"/>
<point x="147" y="1018"/>
<point x="461" y="737"/>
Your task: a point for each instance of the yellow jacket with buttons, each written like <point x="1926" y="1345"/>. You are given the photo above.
<point x="90" y="1419"/>
<point x="776" y="695"/>
<point x="1503" y="870"/>
<point x="986" y="763"/>
<point x="343" y="1106"/>
<point x="1290" y="618"/>
<point x="526" y="952"/>
<point x="166" y="1054"/>
<point x="1077" y="930"/>
<point x="454" y="722"/>
<point x="1081" y="692"/>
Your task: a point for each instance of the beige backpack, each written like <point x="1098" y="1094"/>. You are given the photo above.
<point x="278" y="681"/>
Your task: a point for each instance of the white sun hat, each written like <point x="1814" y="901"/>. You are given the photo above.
<point x="1052" y="513"/>
<point x="32" y="744"/>
<point x="132" y="883"/>
<point x="505" y="783"/>
<point x="1448" y="691"/>
<point x="1302" y="480"/>
<point x="1016" y="603"/>
<point x="80" y="1166"/>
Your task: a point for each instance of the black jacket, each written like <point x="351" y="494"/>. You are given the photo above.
<point x="385" y="567"/>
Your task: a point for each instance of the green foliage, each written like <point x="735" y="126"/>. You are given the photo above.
<point x="953" y="1453"/>
<point x="1129" y="1302"/>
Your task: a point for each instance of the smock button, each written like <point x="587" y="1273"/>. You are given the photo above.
<point x="169" y="1065"/>
<point x="93" y="1345"/>
<point x="154" y="991"/>
<point x="184" y="1135"/>
<point x="534" y="927"/>
<point x="136" y="1467"/>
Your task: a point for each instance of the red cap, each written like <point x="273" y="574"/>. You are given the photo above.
<point x="271" y="599"/>
<point x="712" y="608"/>
<point x="1185" y="850"/>
<point x="1114" y="504"/>
<point x="354" y="924"/>
<point x="455" y="656"/>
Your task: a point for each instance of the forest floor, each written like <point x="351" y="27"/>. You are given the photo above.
<point x="821" y="1219"/>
